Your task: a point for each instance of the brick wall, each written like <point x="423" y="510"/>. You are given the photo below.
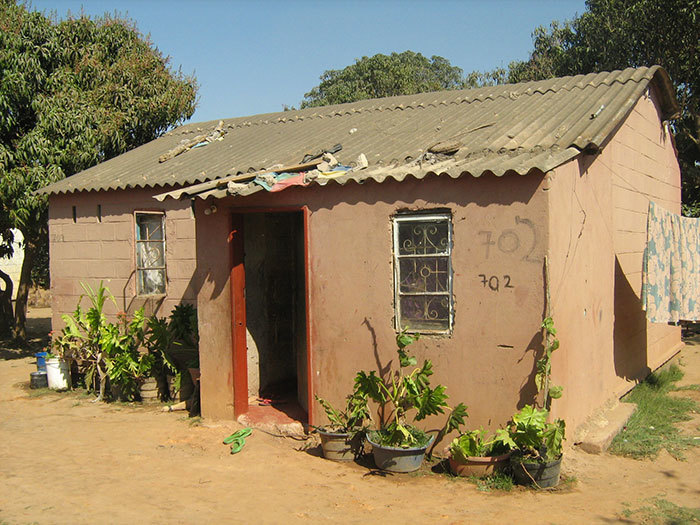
<point x="98" y="244"/>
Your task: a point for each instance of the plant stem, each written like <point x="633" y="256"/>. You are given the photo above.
<point x="547" y="335"/>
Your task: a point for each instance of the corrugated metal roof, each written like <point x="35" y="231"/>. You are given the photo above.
<point x="507" y="128"/>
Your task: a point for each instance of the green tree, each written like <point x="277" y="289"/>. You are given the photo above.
<point x="615" y="34"/>
<point x="379" y="76"/>
<point x="73" y="93"/>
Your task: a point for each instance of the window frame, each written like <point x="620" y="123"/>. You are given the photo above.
<point x="422" y="216"/>
<point x="140" y="269"/>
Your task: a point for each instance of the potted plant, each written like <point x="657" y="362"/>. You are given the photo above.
<point x="174" y="344"/>
<point x="538" y="444"/>
<point x="342" y="438"/>
<point x="57" y="371"/>
<point x="472" y="453"/>
<point x="397" y="445"/>
<point x="57" y="358"/>
<point x="536" y="459"/>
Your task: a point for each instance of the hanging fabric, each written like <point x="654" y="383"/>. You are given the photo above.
<point x="671" y="268"/>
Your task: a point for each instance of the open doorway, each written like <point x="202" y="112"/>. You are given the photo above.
<point x="275" y="313"/>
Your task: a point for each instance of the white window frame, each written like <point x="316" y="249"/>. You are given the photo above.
<point x="422" y="217"/>
<point x="139" y="269"/>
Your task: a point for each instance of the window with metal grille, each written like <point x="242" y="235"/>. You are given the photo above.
<point x="423" y="272"/>
<point x="150" y="253"/>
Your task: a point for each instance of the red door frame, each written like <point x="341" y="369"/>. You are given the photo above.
<point x="238" y="314"/>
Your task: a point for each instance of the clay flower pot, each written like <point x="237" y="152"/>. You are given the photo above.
<point x="479" y="466"/>
<point x="340" y="446"/>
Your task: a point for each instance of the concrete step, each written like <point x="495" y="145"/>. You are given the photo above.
<point x="596" y="434"/>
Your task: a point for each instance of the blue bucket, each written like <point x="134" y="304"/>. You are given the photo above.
<point x="41" y="361"/>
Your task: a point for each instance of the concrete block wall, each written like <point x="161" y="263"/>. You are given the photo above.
<point x="643" y="164"/>
<point x="99" y="245"/>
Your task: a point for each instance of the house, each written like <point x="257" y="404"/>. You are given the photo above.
<point x="438" y="216"/>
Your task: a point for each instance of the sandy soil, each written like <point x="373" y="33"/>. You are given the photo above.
<point x="64" y="459"/>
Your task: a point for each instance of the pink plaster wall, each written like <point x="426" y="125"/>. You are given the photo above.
<point x="90" y="250"/>
<point x="643" y="163"/>
<point x="487" y="362"/>
<point x="598" y="211"/>
<point x="581" y="270"/>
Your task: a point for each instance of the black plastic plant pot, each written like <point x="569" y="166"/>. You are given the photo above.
<point x="395" y="459"/>
<point x="539" y="473"/>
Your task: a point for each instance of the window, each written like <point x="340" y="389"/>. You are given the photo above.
<point x="423" y="272"/>
<point x="150" y="253"/>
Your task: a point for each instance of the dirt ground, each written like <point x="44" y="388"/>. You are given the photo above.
<point x="65" y="459"/>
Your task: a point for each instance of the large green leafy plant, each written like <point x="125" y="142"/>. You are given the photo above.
<point x="102" y="349"/>
<point x="121" y="353"/>
<point x="534" y="438"/>
<point x="477" y="444"/>
<point x="351" y="419"/>
<point x="165" y="338"/>
<point x="406" y="393"/>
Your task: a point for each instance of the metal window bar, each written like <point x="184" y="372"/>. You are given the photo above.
<point x="432" y="321"/>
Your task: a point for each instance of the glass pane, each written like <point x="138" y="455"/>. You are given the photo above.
<point x="423" y="237"/>
<point x="149" y="254"/>
<point x="424" y="274"/>
<point x="151" y="282"/>
<point x="425" y="312"/>
<point x="149" y="227"/>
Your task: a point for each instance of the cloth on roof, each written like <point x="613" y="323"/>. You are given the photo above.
<point x="337" y="171"/>
<point x="280" y="181"/>
<point x="671" y="268"/>
<point x="297" y="179"/>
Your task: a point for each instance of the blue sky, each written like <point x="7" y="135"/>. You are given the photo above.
<point x="253" y="57"/>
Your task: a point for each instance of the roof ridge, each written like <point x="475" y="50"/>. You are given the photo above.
<point x="608" y="80"/>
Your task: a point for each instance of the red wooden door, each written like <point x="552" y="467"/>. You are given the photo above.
<point x="238" y="319"/>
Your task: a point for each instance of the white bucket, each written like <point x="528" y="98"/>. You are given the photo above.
<point x="57" y="373"/>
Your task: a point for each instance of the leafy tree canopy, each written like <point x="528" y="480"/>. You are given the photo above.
<point x="74" y="93"/>
<point x="615" y="34"/>
<point x="379" y="76"/>
<point x="609" y="35"/>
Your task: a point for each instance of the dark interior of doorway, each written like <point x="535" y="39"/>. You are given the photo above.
<point x="276" y="311"/>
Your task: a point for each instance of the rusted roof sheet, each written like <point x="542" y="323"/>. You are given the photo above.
<point x="507" y="128"/>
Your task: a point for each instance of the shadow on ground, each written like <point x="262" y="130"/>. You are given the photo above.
<point x="38" y="329"/>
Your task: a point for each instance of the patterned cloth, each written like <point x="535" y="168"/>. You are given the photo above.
<point x="671" y="272"/>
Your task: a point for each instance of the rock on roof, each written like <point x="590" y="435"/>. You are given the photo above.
<point x="507" y="128"/>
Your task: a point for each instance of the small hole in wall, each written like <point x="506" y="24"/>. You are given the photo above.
<point x="99" y="213"/>
<point x="75" y="215"/>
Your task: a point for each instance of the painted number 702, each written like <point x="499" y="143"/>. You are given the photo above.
<point x="494" y="282"/>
